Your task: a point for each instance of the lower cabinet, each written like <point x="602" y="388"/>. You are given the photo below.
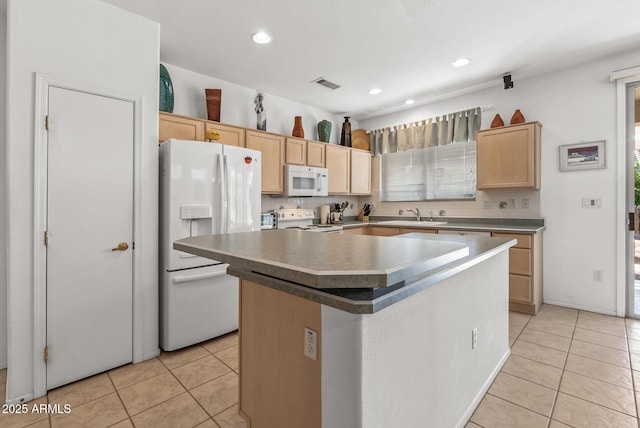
<point x="384" y="231"/>
<point x="411" y="230"/>
<point x="525" y="272"/>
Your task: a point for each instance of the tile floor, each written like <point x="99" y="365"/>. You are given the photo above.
<point x="192" y="387"/>
<point x="568" y="368"/>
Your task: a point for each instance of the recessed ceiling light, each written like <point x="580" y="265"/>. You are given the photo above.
<point x="461" y="62"/>
<point x="375" y="91"/>
<point x="261" y="37"/>
<point x="410" y="101"/>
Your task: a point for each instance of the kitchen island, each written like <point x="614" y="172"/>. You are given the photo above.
<point x="405" y="331"/>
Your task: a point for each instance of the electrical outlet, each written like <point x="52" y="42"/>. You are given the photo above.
<point x="474" y="338"/>
<point x="597" y="275"/>
<point x="488" y="205"/>
<point x="525" y="203"/>
<point x="503" y="205"/>
<point x="310" y="343"/>
<point x="512" y="203"/>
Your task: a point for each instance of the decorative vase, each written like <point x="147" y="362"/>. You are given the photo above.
<point x="261" y="119"/>
<point x="214" y="98"/>
<point x="324" y="131"/>
<point x="298" y="131"/>
<point x="345" y="136"/>
<point x="517" y="118"/>
<point x="261" y="124"/>
<point x="166" y="91"/>
<point x="497" y="122"/>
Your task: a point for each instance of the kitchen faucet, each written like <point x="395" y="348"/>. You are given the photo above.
<point x="416" y="212"/>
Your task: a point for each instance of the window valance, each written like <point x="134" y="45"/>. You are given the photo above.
<point x="439" y="131"/>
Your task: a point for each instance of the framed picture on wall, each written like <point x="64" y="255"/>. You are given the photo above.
<point x="581" y="156"/>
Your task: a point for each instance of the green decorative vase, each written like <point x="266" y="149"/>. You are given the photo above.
<point x="166" y="91"/>
<point x="324" y="131"/>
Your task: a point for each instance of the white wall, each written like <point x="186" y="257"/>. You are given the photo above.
<point x="92" y="43"/>
<point x="3" y="181"/>
<point x="237" y="106"/>
<point x="574" y="105"/>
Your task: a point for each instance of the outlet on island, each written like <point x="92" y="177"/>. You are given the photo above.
<point x="310" y="343"/>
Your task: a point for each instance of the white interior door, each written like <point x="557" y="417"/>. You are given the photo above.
<point x="89" y="213"/>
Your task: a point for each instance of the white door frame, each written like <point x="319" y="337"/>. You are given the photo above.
<point x="43" y="82"/>
<point x="622" y="78"/>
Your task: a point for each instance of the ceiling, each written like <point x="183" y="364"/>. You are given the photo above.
<point x="404" y="47"/>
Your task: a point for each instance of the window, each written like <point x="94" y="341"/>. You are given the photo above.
<point x="434" y="173"/>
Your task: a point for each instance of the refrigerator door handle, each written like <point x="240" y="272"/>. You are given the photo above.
<point x="225" y="198"/>
<point x="190" y="278"/>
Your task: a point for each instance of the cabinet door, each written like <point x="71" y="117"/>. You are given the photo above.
<point x="179" y="127"/>
<point x="316" y="154"/>
<point x="416" y="230"/>
<point x="360" y="172"/>
<point x="339" y="168"/>
<point x="520" y="289"/>
<point x="272" y="148"/>
<point x="384" y="231"/>
<point x="296" y="151"/>
<point x="355" y="231"/>
<point x="229" y="135"/>
<point x="509" y="157"/>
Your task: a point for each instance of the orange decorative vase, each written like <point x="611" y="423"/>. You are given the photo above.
<point x="517" y="118"/>
<point x="298" y="131"/>
<point x="497" y="122"/>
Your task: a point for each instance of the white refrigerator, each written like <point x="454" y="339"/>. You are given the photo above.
<point x="205" y="189"/>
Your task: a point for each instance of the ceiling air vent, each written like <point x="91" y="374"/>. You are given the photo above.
<point x="324" y="82"/>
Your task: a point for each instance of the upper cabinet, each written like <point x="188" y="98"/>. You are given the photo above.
<point x="272" y="147"/>
<point x="316" y="154"/>
<point x="339" y="169"/>
<point x="296" y="151"/>
<point x="509" y="157"/>
<point x="360" y="172"/>
<point x="180" y="127"/>
<point x="229" y="135"/>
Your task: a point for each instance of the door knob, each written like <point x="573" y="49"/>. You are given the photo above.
<point x="123" y="246"/>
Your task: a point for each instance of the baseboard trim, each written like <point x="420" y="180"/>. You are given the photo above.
<point x="580" y="307"/>
<point x="20" y="400"/>
<point x="485" y="387"/>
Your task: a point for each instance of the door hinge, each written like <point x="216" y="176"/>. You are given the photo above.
<point x="46" y="354"/>
<point x="133" y="245"/>
<point x="46" y="238"/>
<point x="46" y="122"/>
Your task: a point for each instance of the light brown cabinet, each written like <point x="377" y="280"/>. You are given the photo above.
<point x="410" y="230"/>
<point x="229" y="135"/>
<point x="525" y="272"/>
<point x="296" y="151"/>
<point x="355" y="231"/>
<point x="339" y="169"/>
<point x="272" y="147"/>
<point x="509" y="157"/>
<point x="316" y="154"/>
<point x="384" y="231"/>
<point x="360" y="172"/>
<point x="179" y="127"/>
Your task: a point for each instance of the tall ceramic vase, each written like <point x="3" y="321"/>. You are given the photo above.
<point x="324" y="131"/>
<point x="298" y="131"/>
<point x="345" y="137"/>
<point x="166" y="91"/>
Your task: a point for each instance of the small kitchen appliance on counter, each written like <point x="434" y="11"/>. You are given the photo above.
<point x="267" y="221"/>
<point x="302" y="218"/>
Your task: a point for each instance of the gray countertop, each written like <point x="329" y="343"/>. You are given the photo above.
<point x="326" y="260"/>
<point x="515" y="225"/>
<point x="241" y="250"/>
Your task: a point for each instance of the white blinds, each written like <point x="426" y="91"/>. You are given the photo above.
<point x="433" y="173"/>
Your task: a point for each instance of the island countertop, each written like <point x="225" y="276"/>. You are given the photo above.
<point x="258" y="256"/>
<point x="325" y="260"/>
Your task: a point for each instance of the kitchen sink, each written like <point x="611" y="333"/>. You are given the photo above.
<point x="412" y="223"/>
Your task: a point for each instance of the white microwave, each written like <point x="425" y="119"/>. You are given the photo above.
<point x="300" y="180"/>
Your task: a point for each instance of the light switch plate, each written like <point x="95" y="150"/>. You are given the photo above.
<point x="591" y="203"/>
